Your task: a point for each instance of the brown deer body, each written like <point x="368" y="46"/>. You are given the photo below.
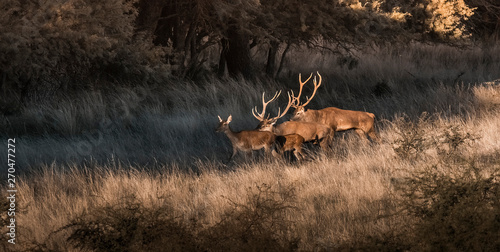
<point x="340" y="120"/>
<point x="337" y="119"/>
<point x="292" y="142"/>
<point x="246" y="140"/>
<point x="308" y="130"/>
<point x="295" y="133"/>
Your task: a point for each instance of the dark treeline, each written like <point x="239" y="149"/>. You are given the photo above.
<point x="47" y="47"/>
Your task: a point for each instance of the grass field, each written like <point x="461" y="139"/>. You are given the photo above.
<point x="142" y="168"/>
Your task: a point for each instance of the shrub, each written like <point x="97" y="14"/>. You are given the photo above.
<point x="130" y="226"/>
<point x="412" y="140"/>
<point x="47" y="45"/>
<point x="261" y="223"/>
<point x="457" y="207"/>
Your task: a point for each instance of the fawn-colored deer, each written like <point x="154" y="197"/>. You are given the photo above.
<point x="246" y="140"/>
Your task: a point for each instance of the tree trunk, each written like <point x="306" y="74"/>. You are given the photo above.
<point x="271" y="59"/>
<point x="238" y="54"/>
<point x="149" y="13"/>
<point x="222" y="59"/>
<point x="280" y="68"/>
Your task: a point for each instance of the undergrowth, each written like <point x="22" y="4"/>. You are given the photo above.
<point x="260" y="223"/>
<point x="139" y="168"/>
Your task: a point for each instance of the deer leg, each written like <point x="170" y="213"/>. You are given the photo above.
<point x="298" y="151"/>
<point x="275" y="154"/>
<point x="297" y="155"/>
<point x="316" y="140"/>
<point x="323" y="143"/>
<point x="267" y="150"/>
<point x="373" y="135"/>
<point x="361" y="133"/>
<point x="249" y="154"/>
<point x="232" y="155"/>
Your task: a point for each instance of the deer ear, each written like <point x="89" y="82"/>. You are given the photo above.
<point x="273" y="122"/>
<point x="229" y="119"/>
<point x="220" y="119"/>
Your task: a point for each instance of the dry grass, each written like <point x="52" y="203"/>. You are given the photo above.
<point x="141" y="168"/>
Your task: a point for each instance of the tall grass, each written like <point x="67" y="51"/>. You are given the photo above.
<point x="141" y="168"/>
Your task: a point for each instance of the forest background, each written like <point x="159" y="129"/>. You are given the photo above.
<point x="113" y="106"/>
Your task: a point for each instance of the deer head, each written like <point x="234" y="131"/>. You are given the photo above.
<point x="224" y="124"/>
<point x="266" y="124"/>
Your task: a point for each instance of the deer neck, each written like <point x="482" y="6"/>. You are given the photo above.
<point x="311" y="115"/>
<point x="231" y="135"/>
<point x="269" y="129"/>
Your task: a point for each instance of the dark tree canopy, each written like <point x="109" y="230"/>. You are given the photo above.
<point x="191" y="27"/>
<point x="58" y="44"/>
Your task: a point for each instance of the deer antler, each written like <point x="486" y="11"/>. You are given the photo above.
<point x="260" y="116"/>
<point x="316" y="86"/>
<point x="284" y="111"/>
<point x="296" y="100"/>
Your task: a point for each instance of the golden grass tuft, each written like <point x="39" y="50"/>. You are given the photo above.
<point x="145" y="173"/>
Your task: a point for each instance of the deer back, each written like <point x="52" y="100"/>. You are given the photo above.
<point x="255" y="137"/>
<point x="340" y="119"/>
<point x="308" y="130"/>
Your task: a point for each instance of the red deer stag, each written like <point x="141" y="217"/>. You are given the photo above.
<point x="295" y="133"/>
<point x="246" y="140"/>
<point x="338" y="119"/>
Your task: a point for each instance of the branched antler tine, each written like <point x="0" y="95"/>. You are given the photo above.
<point x="285" y="110"/>
<point x="278" y="93"/>
<point x="290" y="102"/>
<point x="259" y="117"/>
<point x="301" y="85"/>
<point x="304" y="82"/>
<point x="316" y="86"/>
<point x="319" y="84"/>
<point x="264" y="105"/>
<point x="295" y="101"/>
<point x="263" y="102"/>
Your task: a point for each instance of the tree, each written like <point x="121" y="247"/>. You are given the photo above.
<point x="236" y="26"/>
<point x="47" y="45"/>
<point x="51" y="45"/>
<point x="485" y="22"/>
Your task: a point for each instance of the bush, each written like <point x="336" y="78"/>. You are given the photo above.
<point x="47" y="45"/>
<point x="130" y="226"/>
<point x="415" y="139"/>
<point x="457" y="207"/>
<point x="261" y="223"/>
<point x="412" y="140"/>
